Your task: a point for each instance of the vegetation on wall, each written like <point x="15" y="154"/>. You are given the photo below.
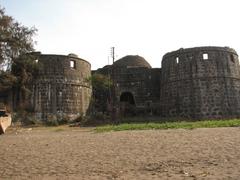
<point x="101" y="86"/>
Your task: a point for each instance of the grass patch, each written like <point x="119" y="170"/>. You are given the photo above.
<point x="170" y="125"/>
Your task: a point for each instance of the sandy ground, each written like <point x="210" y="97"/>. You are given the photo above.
<point x="152" y="154"/>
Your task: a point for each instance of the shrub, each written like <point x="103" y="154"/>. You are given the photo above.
<point x="25" y="118"/>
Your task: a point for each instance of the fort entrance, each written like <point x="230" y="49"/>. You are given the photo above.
<point x="127" y="104"/>
<point x="127" y="97"/>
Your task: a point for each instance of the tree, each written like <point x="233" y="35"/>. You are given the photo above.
<point x="17" y="64"/>
<point x="15" y="40"/>
<point x="6" y="81"/>
<point x="101" y="86"/>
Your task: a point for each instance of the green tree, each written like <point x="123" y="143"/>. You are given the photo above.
<point x="17" y="67"/>
<point x="17" y="63"/>
<point x="6" y="81"/>
<point x="15" y="40"/>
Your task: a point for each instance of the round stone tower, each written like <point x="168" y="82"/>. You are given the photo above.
<point x="61" y="89"/>
<point x="201" y="82"/>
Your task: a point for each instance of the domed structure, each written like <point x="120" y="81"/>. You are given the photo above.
<point x="137" y="84"/>
<point x="132" y="61"/>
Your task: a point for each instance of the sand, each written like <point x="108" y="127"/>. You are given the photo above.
<point x="77" y="153"/>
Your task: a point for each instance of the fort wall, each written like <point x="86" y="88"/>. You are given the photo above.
<point x="143" y="83"/>
<point x="195" y="83"/>
<point x="60" y="89"/>
<point x="202" y="82"/>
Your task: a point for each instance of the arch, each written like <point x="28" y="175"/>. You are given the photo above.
<point x="127" y="104"/>
<point x="127" y="97"/>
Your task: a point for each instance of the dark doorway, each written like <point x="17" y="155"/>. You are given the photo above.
<point x="127" y="97"/>
<point x="127" y="104"/>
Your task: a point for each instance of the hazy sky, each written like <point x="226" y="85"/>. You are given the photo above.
<point x="149" y="28"/>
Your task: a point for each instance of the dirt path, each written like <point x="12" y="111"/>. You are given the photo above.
<point x="150" y="154"/>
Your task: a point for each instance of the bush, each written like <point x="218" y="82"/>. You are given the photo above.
<point x="53" y="120"/>
<point x="25" y="118"/>
<point x="93" y="120"/>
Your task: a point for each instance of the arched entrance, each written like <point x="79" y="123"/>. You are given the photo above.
<point x="127" y="97"/>
<point x="127" y="104"/>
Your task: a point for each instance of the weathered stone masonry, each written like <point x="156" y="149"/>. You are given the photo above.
<point x="136" y="82"/>
<point x="196" y="83"/>
<point x="134" y="75"/>
<point x="201" y="82"/>
<point x="60" y="89"/>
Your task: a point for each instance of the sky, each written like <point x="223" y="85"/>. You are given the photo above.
<point x="149" y="28"/>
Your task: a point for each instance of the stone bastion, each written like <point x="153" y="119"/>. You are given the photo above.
<point x="201" y="82"/>
<point x="61" y="89"/>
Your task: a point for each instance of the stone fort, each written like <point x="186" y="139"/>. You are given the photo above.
<point x="196" y="83"/>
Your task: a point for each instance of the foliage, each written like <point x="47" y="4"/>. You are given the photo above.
<point x="7" y="80"/>
<point x="101" y="85"/>
<point x="55" y="120"/>
<point x="17" y="65"/>
<point x="100" y="81"/>
<point x="15" y="39"/>
<point x="24" y="69"/>
<point x="25" y="118"/>
<point x="170" y="125"/>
